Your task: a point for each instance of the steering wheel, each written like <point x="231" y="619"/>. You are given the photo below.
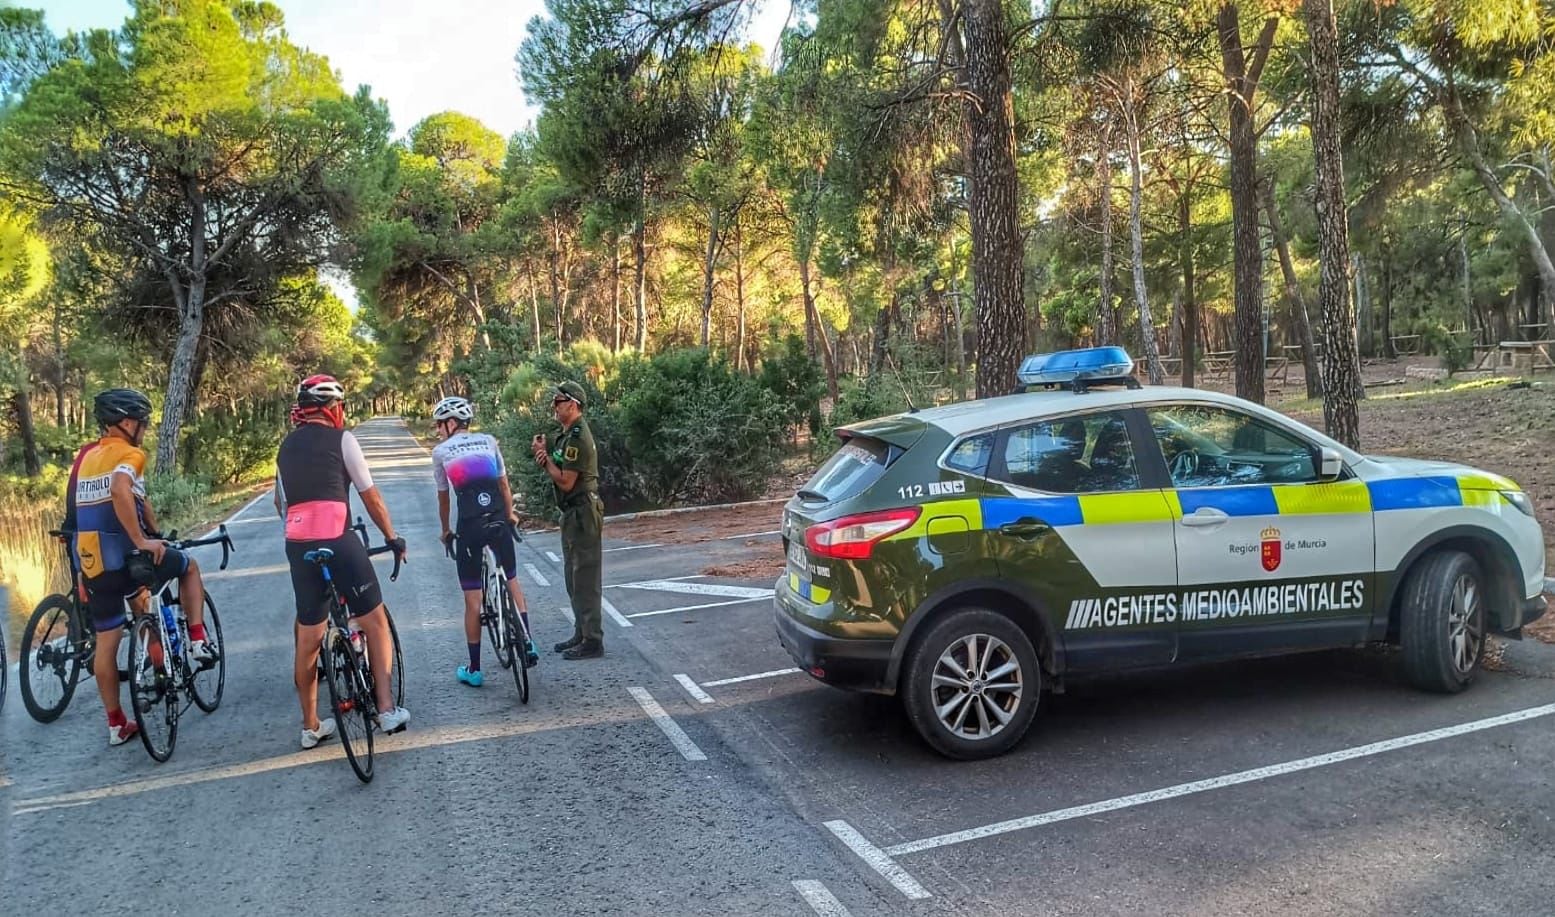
<point x="1184" y="465"/>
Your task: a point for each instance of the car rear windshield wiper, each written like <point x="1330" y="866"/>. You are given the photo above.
<point x="811" y="495"/>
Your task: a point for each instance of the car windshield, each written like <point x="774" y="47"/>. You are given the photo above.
<point x="853" y="468"/>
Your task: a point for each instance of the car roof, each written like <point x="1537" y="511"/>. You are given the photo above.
<point x="984" y="413"/>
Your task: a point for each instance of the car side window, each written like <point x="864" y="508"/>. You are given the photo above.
<point x="971" y="454"/>
<point x="1070" y="455"/>
<point x="1206" y="446"/>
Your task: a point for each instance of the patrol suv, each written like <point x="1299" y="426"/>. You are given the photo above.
<point x="971" y="556"/>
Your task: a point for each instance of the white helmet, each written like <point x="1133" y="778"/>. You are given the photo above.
<point x="453" y="408"/>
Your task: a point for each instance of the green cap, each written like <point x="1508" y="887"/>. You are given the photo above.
<point x="574" y="391"/>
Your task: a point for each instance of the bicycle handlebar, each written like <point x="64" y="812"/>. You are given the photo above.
<point x="398" y="551"/>
<point x="221" y="537"/>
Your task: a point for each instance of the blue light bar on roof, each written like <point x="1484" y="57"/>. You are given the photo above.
<point x="1092" y="364"/>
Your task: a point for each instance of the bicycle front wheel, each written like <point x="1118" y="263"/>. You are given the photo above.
<point x="518" y="648"/>
<point x="349" y="703"/>
<point x="397" y="672"/>
<point x="50" y="663"/>
<point x="208" y="683"/>
<point x="491" y="612"/>
<point x="153" y="696"/>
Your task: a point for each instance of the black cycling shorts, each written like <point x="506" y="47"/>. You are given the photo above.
<point x="475" y="534"/>
<point x="106" y="592"/>
<point x="350" y="568"/>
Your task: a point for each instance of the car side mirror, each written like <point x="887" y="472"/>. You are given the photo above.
<point x="1330" y="464"/>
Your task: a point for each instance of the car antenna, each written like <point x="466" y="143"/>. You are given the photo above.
<point x="911" y="408"/>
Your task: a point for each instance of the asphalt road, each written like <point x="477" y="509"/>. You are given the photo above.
<point x="1307" y="785"/>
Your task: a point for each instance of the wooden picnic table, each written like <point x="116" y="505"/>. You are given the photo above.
<point x="1528" y="356"/>
<point x="1219" y="362"/>
<point x="1406" y="344"/>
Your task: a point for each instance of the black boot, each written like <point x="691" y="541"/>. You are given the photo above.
<point x="566" y="645"/>
<point x="586" y="649"/>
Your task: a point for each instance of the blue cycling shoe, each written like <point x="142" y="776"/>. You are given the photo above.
<point x="473" y="679"/>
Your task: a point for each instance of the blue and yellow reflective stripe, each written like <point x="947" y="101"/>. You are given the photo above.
<point x="1134" y="506"/>
<point x="970" y="510"/>
<point x="1254" y="500"/>
<point x="1415" y="493"/>
<point x="1337" y="498"/>
<point x="807" y="590"/>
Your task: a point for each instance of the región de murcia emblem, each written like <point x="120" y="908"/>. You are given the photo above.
<point x="1270" y="551"/>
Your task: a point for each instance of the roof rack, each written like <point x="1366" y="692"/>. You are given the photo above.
<point x="1078" y="370"/>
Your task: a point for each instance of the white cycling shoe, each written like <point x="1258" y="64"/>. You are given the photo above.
<point x="393" y="720"/>
<point x="312" y="737"/>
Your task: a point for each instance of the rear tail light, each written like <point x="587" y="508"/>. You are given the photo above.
<point x="855" y="537"/>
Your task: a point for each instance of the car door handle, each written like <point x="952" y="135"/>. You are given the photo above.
<point x="1025" y="530"/>
<point x="1205" y="516"/>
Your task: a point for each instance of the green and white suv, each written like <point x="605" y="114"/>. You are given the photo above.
<point x="971" y="556"/>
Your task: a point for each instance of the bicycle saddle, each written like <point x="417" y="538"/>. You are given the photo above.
<point x="319" y="556"/>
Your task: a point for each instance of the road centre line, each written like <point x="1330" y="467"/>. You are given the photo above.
<point x="632" y="547"/>
<point x="1215" y="783"/>
<point x="613" y="613"/>
<point x="553" y="557"/>
<point x="820" y="898"/>
<point x="877" y="859"/>
<point x="671" y="729"/>
<point x="734" y="681"/>
<point x="692" y="689"/>
<point x="680" y="608"/>
<point x="536" y="575"/>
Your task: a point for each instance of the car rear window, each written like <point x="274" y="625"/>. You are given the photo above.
<point x="851" y="470"/>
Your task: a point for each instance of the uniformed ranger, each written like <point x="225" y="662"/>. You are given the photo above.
<point x="573" y="466"/>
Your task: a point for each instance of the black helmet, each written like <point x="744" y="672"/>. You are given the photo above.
<point x="116" y="404"/>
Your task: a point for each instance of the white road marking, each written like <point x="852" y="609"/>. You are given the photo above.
<point x="1225" y="780"/>
<point x="250" y="505"/>
<point x="567" y="610"/>
<point x="820" y="898"/>
<point x="677" y="736"/>
<point x="877" y="859"/>
<point x="632" y="547"/>
<point x="553" y="557"/>
<point x="246" y="571"/>
<point x="670" y="611"/>
<point x="662" y="579"/>
<point x="734" y="681"/>
<point x="534" y="573"/>
<point x="724" y="589"/>
<point x="615" y="615"/>
<point x="751" y="535"/>
<point x="1549" y="585"/>
<point x="693" y="690"/>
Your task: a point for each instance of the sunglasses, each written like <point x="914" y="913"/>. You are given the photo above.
<point x="560" y="399"/>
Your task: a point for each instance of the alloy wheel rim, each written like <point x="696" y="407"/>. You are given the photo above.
<point x="978" y="686"/>
<point x="1465" y="624"/>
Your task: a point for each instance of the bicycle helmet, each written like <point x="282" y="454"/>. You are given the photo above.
<point x="319" y="391"/>
<point x="116" y="404"/>
<point x="453" y="408"/>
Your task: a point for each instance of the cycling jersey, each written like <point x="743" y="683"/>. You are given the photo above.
<point x="315" y="469"/>
<point x="472" y="464"/>
<point x="101" y="542"/>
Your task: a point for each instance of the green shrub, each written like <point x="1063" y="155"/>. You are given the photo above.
<point x="231" y="446"/>
<point x="794" y="379"/>
<point x="179" y="500"/>
<point x="1456" y="350"/>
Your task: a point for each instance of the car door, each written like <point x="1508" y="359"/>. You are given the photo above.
<point x="1071" y="520"/>
<point x="1269" y="557"/>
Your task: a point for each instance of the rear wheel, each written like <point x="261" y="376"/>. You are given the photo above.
<point x="350" y="704"/>
<point x="492" y="604"/>
<point x="152" y="693"/>
<point x="397" y="673"/>
<point x="207" y="684"/>
<point x="517" y="646"/>
<point x="1442" y="622"/>
<point x="972" y="684"/>
<point x="50" y="663"/>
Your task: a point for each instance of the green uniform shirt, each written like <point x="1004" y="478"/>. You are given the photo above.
<point x="574" y="451"/>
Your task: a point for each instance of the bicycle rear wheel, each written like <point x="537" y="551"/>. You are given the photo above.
<point x="153" y="696"/>
<point x="50" y="666"/>
<point x="518" y="656"/>
<point x="349" y="703"/>
<point x="491" y="613"/>
<point x="397" y="673"/>
<point x="207" y="684"/>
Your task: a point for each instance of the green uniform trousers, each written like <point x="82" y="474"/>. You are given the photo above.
<point x="584" y="565"/>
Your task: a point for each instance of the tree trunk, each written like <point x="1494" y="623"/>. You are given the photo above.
<point x="993" y="197"/>
<point x="1107" y="309"/>
<point x="740" y="361"/>
<point x="615" y="295"/>
<point x="1363" y="305"/>
<point x="1242" y="72"/>
<point x="960" y="342"/>
<point x="709" y="275"/>
<point x="1388" y="352"/>
<point x="828" y="357"/>
<point x="1190" y="302"/>
<point x="556" y="277"/>
<point x="1342" y="385"/>
<point x="1466" y="283"/>
<point x="1298" y="302"/>
<point x="1136" y="231"/>
<point x="21" y="413"/>
<point x="882" y="337"/>
<point x="180" y="375"/>
<point x="640" y="274"/>
<point x="534" y="305"/>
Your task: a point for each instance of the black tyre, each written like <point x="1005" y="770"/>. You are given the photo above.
<point x="50" y="664"/>
<point x="207" y="684"/>
<point x="153" y="697"/>
<point x="350" y="703"/>
<point x="971" y="684"/>
<point x="1442" y="622"/>
<point x="491" y="612"/>
<point x="518" y="658"/>
<point x="397" y="673"/>
<point x="5" y="666"/>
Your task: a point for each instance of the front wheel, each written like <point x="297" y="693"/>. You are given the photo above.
<point x="1442" y="622"/>
<point x="517" y="647"/>
<point x="972" y="684"/>
<point x="350" y="703"/>
<point x="50" y="664"/>
<point x="152" y="694"/>
<point x="208" y="683"/>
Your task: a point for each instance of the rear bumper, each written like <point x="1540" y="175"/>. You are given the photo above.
<point x="843" y="662"/>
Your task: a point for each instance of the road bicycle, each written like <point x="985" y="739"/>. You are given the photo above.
<point x="347" y="670"/>
<point x="164" y="678"/>
<point x="505" y="628"/>
<point x="58" y="643"/>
